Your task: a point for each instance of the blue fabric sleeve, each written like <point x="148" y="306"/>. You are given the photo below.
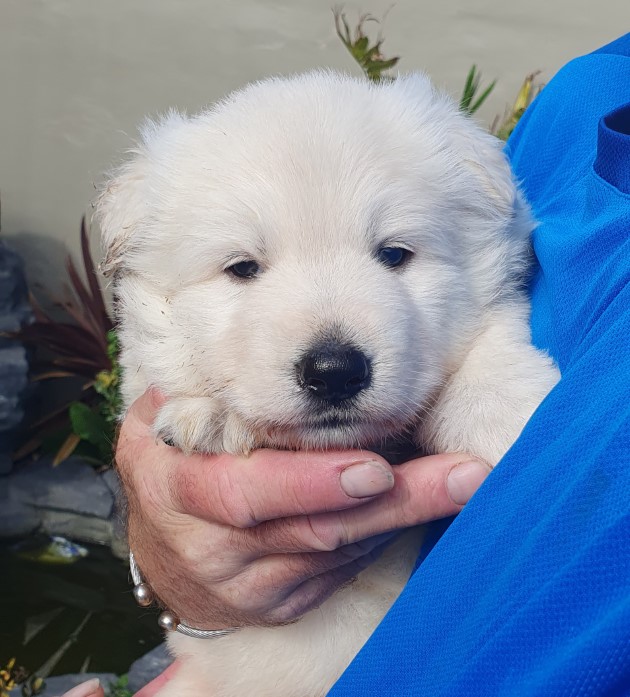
<point x="528" y="591"/>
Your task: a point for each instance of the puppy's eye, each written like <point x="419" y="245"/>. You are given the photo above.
<point x="244" y="269"/>
<point x="393" y="257"/>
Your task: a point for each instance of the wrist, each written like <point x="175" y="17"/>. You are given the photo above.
<point x="169" y="621"/>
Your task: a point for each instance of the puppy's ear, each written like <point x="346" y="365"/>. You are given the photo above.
<point x="120" y="208"/>
<point x="487" y="183"/>
<point x="483" y="157"/>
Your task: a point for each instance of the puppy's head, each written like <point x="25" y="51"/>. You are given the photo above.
<point x="314" y="254"/>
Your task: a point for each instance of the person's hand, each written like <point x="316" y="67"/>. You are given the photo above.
<point x="91" y="688"/>
<point x="230" y="541"/>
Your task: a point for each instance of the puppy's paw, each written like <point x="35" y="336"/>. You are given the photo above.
<point x="484" y="406"/>
<point x="192" y="424"/>
<point x="200" y="424"/>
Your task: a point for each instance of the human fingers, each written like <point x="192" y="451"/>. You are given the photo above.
<point x="242" y="492"/>
<point x="268" y="581"/>
<point x="301" y="559"/>
<point x="425" y="489"/>
<point x="312" y="592"/>
<point x="137" y="449"/>
<point x="257" y="582"/>
<point x="279" y="589"/>
<point x="187" y="557"/>
<point x="91" y="688"/>
<point x="141" y="414"/>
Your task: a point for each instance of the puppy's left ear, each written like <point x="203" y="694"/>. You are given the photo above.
<point x="485" y="182"/>
<point x="483" y="157"/>
<point x="119" y="210"/>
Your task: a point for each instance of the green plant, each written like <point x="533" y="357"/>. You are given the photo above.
<point x="119" y="688"/>
<point x="12" y="676"/>
<point x="369" y="57"/>
<point x="526" y="95"/>
<point x="97" y="424"/>
<point x="82" y="345"/>
<point x="469" y="102"/>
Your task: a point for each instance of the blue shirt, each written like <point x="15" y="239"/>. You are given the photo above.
<point x="528" y="591"/>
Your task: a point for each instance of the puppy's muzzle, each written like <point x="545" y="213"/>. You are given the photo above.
<point x="333" y="372"/>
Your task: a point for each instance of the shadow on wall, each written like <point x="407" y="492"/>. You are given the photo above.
<point x="45" y="263"/>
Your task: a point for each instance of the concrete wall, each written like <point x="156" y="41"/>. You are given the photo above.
<point x="76" y="77"/>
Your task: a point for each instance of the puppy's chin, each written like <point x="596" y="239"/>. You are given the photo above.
<point x="392" y="441"/>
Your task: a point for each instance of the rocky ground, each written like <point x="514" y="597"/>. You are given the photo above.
<point x="74" y="501"/>
<point x="141" y="672"/>
<point x="71" y="500"/>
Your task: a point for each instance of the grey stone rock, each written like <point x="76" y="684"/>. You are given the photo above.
<point x="119" y="546"/>
<point x="118" y="543"/>
<point x="13" y="384"/>
<point x="13" y="290"/>
<point x="148" y="667"/>
<point x="75" y="526"/>
<point x="15" y="311"/>
<point x="72" y="486"/>
<point x="58" y="685"/>
<point x="17" y="519"/>
<point x="13" y="366"/>
<point x="6" y="465"/>
<point x="110" y="477"/>
<point x="12" y="282"/>
<point x="10" y="322"/>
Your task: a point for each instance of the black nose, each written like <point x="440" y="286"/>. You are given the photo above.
<point x="334" y="371"/>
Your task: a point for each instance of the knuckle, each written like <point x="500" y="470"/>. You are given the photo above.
<point x="360" y="554"/>
<point x="242" y="518"/>
<point x="358" y="549"/>
<point x="324" y="536"/>
<point x="234" y="505"/>
<point x="246" y="593"/>
<point x="417" y="500"/>
<point x="206" y="489"/>
<point x="274" y="536"/>
<point x="405" y="514"/>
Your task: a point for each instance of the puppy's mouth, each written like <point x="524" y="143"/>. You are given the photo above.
<point x="343" y="417"/>
<point x="332" y="421"/>
<point x="345" y="429"/>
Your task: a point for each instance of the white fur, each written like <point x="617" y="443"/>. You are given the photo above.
<point x="310" y="176"/>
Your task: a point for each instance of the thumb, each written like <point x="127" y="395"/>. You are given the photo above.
<point x="143" y="411"/>
<point x="91" y="688"/>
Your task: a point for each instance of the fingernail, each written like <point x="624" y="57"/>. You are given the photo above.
<point x="464" y="479"/>
<point x="366" y="479"/>
<point x="85" y="689"/>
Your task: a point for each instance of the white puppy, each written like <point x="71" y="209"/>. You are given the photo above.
<point x="322" y="262"/>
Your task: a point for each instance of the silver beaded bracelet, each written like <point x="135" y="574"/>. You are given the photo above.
<point x="143" y="594"/>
